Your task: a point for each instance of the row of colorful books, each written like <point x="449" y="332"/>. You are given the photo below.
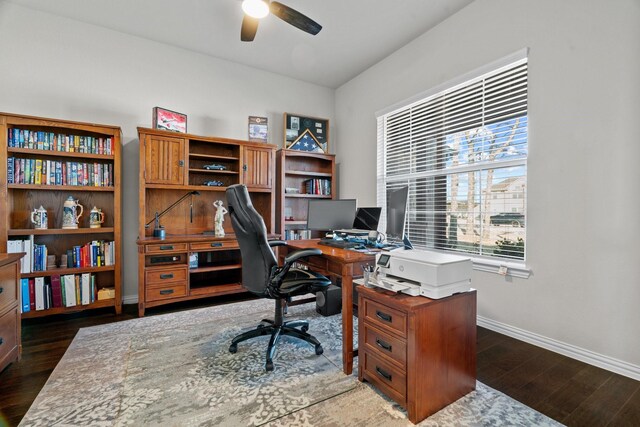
<point x="51" y="172"/>
<point x="97" y="253"/>
<point x="36" y="255"/>
<point x="297" y="234"/>
<point x="50" y="141"/>
<point x="68" y="290"/>
<point x="318" y="186"/>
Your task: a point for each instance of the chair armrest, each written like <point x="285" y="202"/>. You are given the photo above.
<point x="290" y="259"/>
<point x="303" y="253"/>
<point x="273" y="243"/>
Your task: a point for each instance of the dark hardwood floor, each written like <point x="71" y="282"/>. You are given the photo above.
<point x="571" y="392"/>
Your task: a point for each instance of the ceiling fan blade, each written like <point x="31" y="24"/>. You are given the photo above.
<point x="249" y="28"/>
<point x="295" y="18"/>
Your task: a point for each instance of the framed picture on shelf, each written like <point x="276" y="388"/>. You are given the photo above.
<point x="258" y="129"/>
<point x="306" y="133"/>
<point x="169" y="120"/>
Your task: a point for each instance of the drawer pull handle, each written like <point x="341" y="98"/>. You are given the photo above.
<point x="166" y="276"/>
<point x="216" y="244"/>
<point x="384" y="316"/>
<point x="166" y="292"/>
<point x="383" y="345"/>
<point x="1" y="340"/>
<point x="383" y="374"/>
<point x="1" y="290"/>
<point x="166" y="247"/>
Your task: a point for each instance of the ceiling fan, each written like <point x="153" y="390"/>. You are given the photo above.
<point x="254" y="10"/>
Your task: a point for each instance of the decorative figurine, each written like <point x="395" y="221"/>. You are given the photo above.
<point x="39" y="218"/>
<point x="219" y="218"/>
<point x="96" y="218"/>
<point x="70" y="218"/>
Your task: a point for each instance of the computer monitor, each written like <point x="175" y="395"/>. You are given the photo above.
<point x="329" y="215"/>
<point x="396" y="211"/>
<point x="367" y="218"/>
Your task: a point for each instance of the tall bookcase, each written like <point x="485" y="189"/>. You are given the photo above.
<point x="65" y="147"/>
<point x="301" y="176"/>
<point x="190" y="262"/>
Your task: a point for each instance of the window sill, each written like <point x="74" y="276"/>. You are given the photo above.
<point x="503" y="268"/>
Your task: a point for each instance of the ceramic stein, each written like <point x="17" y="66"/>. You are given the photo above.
<point x="39" y="218"/>
<point x="96" y="218"/>
<point x="70" y="215"/>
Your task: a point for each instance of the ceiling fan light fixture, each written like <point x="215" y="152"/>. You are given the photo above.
<point x="255" y="8"/>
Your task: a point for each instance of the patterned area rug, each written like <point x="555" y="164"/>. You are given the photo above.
<point x="176" y="369"/>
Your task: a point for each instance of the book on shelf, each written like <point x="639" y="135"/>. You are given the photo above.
<point x="69" y="284"/>
<point x="53" y="172"/>
<point x="24" y="290"/>
<point x="56" y="290"/>
<point x="50" y="141"/>
<point x="40" y="293"/>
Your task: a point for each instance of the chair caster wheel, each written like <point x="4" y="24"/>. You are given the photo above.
<point x="269" y="366"/>
<point x="319" y="350"/>
<point x="233" y="348"/>
<point x="304" y="328"/>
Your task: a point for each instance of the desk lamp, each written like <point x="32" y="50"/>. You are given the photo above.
<point x="158" y="230"/>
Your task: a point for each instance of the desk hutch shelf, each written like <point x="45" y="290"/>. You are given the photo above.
<point x="171" y="165"/>
<point x="76" y="159"/>
<point x="301" y="176"/>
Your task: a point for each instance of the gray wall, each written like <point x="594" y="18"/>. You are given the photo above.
<point x="583" y="203"/>
<point x="55" y="67"/>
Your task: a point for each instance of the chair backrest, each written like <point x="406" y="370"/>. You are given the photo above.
<point x="257" y="256"/>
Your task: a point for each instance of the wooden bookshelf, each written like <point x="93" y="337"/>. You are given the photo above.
<point x="293" y="170"/>
<point x="99" y="147"/>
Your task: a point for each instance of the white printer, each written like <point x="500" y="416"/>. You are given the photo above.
<point x="418" y="272"/>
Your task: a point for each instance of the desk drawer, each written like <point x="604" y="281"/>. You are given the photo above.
<point x="385" y="318"/>
<point x="165" y="247"/>
<point x="385" y="345"/>
<point x="212" y="246"/>
<point x="8" y="333"/>
<point x="170" y="290"/>
<point x="160" y="276"/>
<point x="391" y="380"/>
<point x="8" y="287"/>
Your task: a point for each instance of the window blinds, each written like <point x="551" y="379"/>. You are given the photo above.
<point x="462" y="152"/>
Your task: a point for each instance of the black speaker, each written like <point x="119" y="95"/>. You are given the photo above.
<point x="329" y="301"/>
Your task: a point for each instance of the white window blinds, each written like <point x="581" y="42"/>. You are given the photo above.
<point x="462" y="152"/>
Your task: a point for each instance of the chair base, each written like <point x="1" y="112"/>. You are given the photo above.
<point x="269" y="327"/>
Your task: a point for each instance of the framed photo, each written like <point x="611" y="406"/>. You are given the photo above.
<point x="169" y="120"/>
<point x="258" y="129"/>
<point x="306" y="133"/>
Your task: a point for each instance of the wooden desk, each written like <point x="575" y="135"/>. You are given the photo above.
<point x="342" y="263"/>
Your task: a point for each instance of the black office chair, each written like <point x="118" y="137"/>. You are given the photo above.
<point x="262" y="276"/>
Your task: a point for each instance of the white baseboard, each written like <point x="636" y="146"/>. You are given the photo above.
<point x="581" y="354"/>
<point x="130" y="299"/>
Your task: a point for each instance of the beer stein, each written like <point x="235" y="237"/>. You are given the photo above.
<point x="39" y="218"/>
<point x="70" y="215"/>
<point x="96" y="218"/>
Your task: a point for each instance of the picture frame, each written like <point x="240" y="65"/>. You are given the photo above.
<point x="306" y="133"/>
<point x="258" y="129"/>
<point x="169" y="120"/>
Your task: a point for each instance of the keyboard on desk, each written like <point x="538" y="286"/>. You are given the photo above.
<point x="343" y="244"/>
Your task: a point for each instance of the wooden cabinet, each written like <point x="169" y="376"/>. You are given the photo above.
<point x="10" y="342"/>
<point x="418" y="351"/>
<point x="301" y="176"/>
<point x="164" y="160"/>
<point x="258" y="168"/>
<point x="210" y="165"/>
<point x="42" y="163"/>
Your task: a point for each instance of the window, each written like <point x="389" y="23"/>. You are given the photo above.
<point x="463" y="153"/>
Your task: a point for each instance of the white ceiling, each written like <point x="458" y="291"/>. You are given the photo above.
<point x="355" y="35"/>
